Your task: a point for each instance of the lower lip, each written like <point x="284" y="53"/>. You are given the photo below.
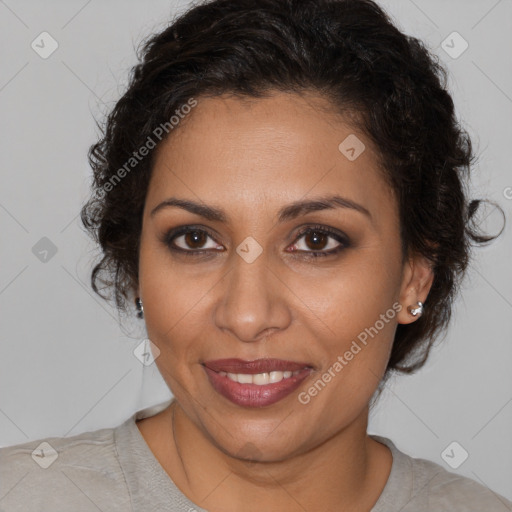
<point x="253" y="395"/>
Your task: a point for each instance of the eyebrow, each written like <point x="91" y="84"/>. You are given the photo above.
<point x="289" y="212"/>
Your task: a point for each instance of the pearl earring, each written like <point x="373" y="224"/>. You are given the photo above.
<point x="416" y="310"/>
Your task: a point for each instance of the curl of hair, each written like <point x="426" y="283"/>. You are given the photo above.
<point x="349" y="52"/>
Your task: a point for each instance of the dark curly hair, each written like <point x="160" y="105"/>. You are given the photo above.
<point x="349" y="52"/>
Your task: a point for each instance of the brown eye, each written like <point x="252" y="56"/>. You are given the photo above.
<point x="195" y="239"/>
<point x="315" y="240"/>
<point x="190" y="240"/>
<point x="320" y="241"/>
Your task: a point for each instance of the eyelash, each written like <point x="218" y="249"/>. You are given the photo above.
<point x="169" y="237"/>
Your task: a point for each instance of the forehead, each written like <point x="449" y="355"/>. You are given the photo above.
<point x="246" y="152"/>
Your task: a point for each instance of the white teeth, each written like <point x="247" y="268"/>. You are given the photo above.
<point x="259" y="378"/>
<point x="276" y="376"/>
<point x="242" y="378"/>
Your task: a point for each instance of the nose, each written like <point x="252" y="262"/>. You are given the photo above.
<point x="253" y="300"/>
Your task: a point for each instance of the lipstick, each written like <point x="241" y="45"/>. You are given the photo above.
<point x="256" y="383"/>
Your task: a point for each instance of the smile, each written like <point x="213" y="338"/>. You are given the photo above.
<point x="258" y="383"/>
<point x="260" y="379"/>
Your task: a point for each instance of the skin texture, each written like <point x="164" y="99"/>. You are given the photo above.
<point x="251" y="158"/>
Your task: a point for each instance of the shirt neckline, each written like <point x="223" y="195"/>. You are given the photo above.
<point x="153" y="483"/>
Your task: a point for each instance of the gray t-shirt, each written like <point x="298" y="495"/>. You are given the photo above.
<point x="113" y="469"/>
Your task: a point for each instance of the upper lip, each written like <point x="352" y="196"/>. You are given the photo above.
<point x="256" y="366"/>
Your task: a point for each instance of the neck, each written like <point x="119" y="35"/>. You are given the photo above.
<point x="347" y="472"/>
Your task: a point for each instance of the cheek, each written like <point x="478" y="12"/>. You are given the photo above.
<point x="353" y="352"/>
<point x="168" y="293"/>
<point x="176" y="309"/>
<point x="354" y="320"/>
<point x="355" y="294"/>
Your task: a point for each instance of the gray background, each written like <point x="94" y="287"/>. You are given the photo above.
<point x="66" y="366"/>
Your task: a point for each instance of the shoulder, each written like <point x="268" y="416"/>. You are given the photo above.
<point x="449" y="491"/>
<point x="51" y="473"/>
<point x="428" y="486"/>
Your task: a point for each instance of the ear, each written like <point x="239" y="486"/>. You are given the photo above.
<point x="417" y="279"/>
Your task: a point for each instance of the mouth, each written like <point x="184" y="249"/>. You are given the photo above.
<point x="257" y="383"/>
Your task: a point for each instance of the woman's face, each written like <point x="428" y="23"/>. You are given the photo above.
<point x="257" y="291"/>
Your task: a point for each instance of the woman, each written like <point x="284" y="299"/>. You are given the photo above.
<point x="280" y="192"/>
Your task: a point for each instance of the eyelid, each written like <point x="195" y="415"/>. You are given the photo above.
<point x="340" y="237"/>
<point x="170" y="236"/>
<point x="343" y="240"/>
<point x="332" y="232"/>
